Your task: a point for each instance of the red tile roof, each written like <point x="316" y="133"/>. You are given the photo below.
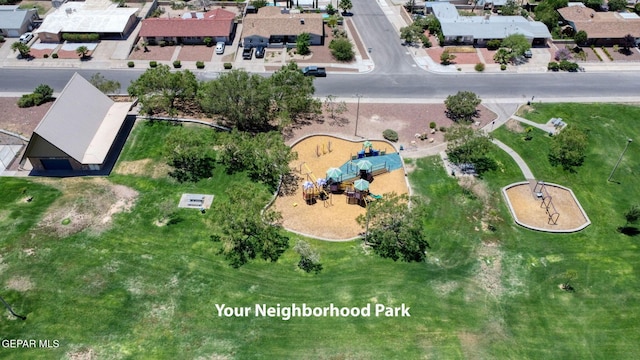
<point x="215" y="23"/>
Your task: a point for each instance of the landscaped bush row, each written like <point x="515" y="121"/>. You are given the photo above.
<point x="606" y="52"/>
<point x="595" y="52"/>
<point x="80" y="37"/>
<point x="563" y="65"/>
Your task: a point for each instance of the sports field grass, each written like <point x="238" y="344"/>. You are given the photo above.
<point x="137" y="290"/>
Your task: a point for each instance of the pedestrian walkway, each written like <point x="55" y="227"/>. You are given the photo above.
<point x="517" y="158"/>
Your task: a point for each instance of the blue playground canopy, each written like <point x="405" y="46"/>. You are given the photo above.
<point x="392" y="161"/>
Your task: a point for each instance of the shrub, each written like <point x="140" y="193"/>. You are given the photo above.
<point x="432" y="125"/>
<point x="208" y="41"/>
<point x="442" y="129"/>
<point x="54" y="55"/>
<point x="131" y="64"/>
<point x="153" y="63"/>
<point x="71" y="37"/>
<point x="503" y="67"/>
<point x="342" y="49"/>
<point x="177" y="64"/>
<point x="162" y="43"/>
<point x="563" y="54"/>
<point x="227" y="65"/>
<point x="569" y="66"/>
<point x="606" y="52"/>
<point x="1" y="39"/>
<point x="29" y="100"/>
<point x="494" y="44"/>
<point x="425" y="41"/>
<point x="45" y="56"/>
<point x="553" y="66"/>
<point x="479" y="67"/>
<point x="390" y="135"/>
<point x="200" y="64"/>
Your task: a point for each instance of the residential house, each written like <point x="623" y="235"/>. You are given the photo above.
<point x="478" y="30"/>
<point x="102" y="17"/>
<point x="15" y="22"/>
<point x="603" y="28"/>
<point x="82" y="133"/>
<point x="277" y="27"/>
<point x="191" y="28"/>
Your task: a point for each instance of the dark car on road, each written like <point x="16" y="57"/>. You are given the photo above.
<point x="247" y="53"/>
<point x="314" y="71"/>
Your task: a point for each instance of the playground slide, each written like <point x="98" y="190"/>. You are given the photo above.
<point x="375" y="197"/>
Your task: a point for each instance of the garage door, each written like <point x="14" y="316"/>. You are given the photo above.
<point x="56" y="164"/>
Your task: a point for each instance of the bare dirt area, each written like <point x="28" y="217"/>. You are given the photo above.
<point x="155" y="52"/>
<point x="21" y="120"/>
<point x="195" y="53"/>
<point x="409" y="120"/>
<point x="528" y="210"/>
<point x="19" y="283"/>
<point x="143" y="167"/>
<point x="85" y="204"/>
<point x="333" y="219"/>
<point x="621" y="55"/>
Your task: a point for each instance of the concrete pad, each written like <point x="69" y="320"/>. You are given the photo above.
<point x="8" y="154"/>
<point x="195" y="201"/>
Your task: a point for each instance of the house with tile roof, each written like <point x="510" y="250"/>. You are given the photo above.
<point x="82" y="132"/>
<point x="191" y="28"/>
<point x="602" y="28"/>
<point x="278" y="27"/>
<point x="15" y="21"/>
<point x="478" y="30"/>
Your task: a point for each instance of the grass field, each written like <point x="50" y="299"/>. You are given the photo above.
<point x="138" y="290"/>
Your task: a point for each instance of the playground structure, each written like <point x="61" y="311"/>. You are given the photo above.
<point x="334" y="217"/>
<point x="537" y="205"/>
<point x="540" y="191"/>
<point x="353" y="182"/>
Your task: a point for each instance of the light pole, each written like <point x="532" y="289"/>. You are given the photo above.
<point x="619" y="159"/>
<point x="355" y="133"/>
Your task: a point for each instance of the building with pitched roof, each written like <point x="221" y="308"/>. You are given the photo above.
<point x="78" y="132"/>
<point x="277" y="27"/>
<point x="101" y="17"/>
<point x="601" y="27"/>
<point x="191" y="28"/>
<point x="15" y="21"/>
<point x="478" y="30"/>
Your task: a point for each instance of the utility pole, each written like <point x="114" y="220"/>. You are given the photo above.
<point x="355" y="133"/>
<point x="619" y="159"/>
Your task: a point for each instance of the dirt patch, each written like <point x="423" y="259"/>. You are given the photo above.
<point x="195" y="53"/>
<point x="19" y="283"/>
<point x="143" y="167"/>
<point x="21" y="120"/>
<point x="83" y="204"/>
<point x="489" y="275"/>
<point x="514" y="126"/>
<point x="82" y="354"/>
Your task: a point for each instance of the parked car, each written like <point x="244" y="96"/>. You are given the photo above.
<point x="220" y="47"/>
<point x="26" y="37"/>
<point x="247" y="53"/>
<point x="528" y="54"/>
<point x="260" y="52"/>
<point x="314" y="71"/>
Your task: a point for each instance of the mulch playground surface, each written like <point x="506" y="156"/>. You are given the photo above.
<point x="333" y="219"/>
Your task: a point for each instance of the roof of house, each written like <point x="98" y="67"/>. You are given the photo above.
<point x="12" y="18"/>
<point x="97" y="16"/>
<point x="215" y="14"/>
<point x="213" y="23"/>
<point x="486" y="27"/>
<point x="271" y="20"/>
<point x="82" y="122"/>
<point x="600" y="25"/>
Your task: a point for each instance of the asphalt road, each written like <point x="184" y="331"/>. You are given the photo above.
<point x="418" y="85"/>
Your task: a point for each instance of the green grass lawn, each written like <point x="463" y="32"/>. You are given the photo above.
<point x="138" y="290"/>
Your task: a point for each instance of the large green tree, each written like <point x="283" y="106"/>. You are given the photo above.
<point x="104" y="85"/>
<point x="517" y="43"/>
<point x="161" y="90"/>
<point x="247" y="232"/>
<point x="568" y="148"/>
<point x="303" y="41"/>
<point x="264" y="156"/>
<point x="617" y="5"/>
<point x="395" y="229"/>
<point x="546" y="12"/>
<point x="292" y="94"/>
<point x="242" y="99"/>
<point x="190" y="154"/>
<point x="510" y="8"/>
<point x="463" y="106"/>
<point x="345" y="5"/>
<point x="342" y="49"/>
<point x="581" y="37"/>
<point x="309" y="257"/>
<point x="468" y="146"/>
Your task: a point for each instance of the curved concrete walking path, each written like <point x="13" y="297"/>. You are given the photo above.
<point x="517" y="158"/>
